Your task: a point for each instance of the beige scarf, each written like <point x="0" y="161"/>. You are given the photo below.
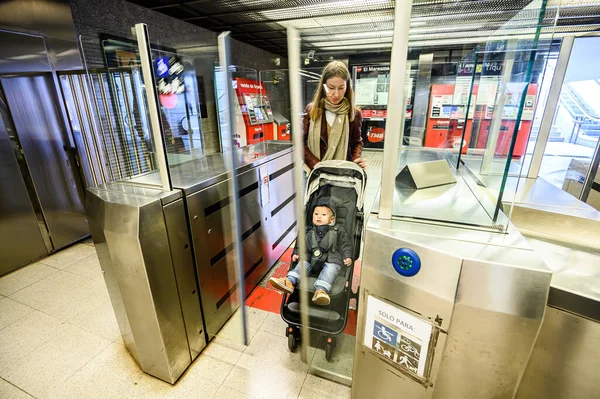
<point x="337" y="142"/>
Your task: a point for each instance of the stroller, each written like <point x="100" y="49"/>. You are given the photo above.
<point x="345" y="182"/>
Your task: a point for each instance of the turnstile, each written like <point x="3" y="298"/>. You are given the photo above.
<point x="167" y="257"/>
<point x="451" y="305"/>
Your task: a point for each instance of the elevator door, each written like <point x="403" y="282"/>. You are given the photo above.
<point x="33" y="104"/>
<point x="20" y="236"/>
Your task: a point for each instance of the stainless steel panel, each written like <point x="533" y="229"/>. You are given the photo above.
<point x="496" y="320"/>
<point x="33" y="104"/>
<point x="135" y="255"/>
<point x="431" y="292"/>
<point x="22" y="54"/>
<point x="576" y="279"/>
<point x="185" y="275"/>
<point x="48" y="18"/>
<point x="280" y="214"/>
<point x="565" y="360"/>
<point x="209" y="215"/>
<point x="17" y="216"/>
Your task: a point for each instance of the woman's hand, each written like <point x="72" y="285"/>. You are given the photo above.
<point x="295" y="258"/>
<point x="347" y="261"/>
<point x="361" y="162"/>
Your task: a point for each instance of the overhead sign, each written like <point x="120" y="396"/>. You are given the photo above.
<point x="397" y="336"/>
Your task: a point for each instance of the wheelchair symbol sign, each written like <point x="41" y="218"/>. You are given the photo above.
<point x="385" y="334"/>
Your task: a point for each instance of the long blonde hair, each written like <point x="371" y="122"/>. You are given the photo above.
<point x="332" y="70"/>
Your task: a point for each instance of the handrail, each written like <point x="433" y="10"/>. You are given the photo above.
<point x="581" y="107"/>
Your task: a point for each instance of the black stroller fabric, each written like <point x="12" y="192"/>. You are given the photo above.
<point x="345" y="218"/>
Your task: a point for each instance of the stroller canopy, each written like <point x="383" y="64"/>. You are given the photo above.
<point x="340" y="174"/>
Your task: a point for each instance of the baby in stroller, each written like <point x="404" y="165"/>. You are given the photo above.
<point x="328" y="248"/>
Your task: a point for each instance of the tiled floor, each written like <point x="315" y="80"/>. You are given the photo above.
<point x="59" y="339"/>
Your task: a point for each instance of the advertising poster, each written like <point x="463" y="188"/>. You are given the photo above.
<point x="397" y="335"/>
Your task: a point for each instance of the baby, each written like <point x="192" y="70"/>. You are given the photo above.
<point x="326" y="245"/>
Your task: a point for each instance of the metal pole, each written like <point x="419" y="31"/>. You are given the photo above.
<point x="82" y="128"/>
<point x="298" y="140"/>
<point x="591" y="174"/>
<point x="95" y="125"/>
<point x="109" y="122"/>
<point x="551" y="106"/>
<point x="494" y="132"/>
<point x="231" y="162"/>
<point x="396" y="106"/>
<point x="132" y="131"/>
<point x="141" y="31"/>
<point x="513" y="141"/>
<point x="464" y="132"/>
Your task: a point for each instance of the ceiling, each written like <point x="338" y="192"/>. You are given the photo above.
<point x="359" y="26"/>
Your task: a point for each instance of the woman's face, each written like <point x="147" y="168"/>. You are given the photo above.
<point x="335" y="88"/>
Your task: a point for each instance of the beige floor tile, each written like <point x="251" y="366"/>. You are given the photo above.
<point x="11" y="311"/>
<point x="225" y="353"/>
<point x="192" y="388"/>
<point x="207" y="367"/>
<point x="229" y="393"/>
<point x="317" y="388"/>
<point x="24" y="336"/>
<point x="232" y="330"/>
<point x="100" y="321"/>
<point x="341" y="365"/>
<point x="9" y="391"/>
<point x="111" y="374"/>
<point x="51" y="290"/>
<point x="87" y="267"/>
<point x="55" y="361"/>
<point x="24" y="277"/>
<point x="114" y="374"/>
<point x="267" y="369"/>
<point x="75" y="305"/>
<point x="274" y="324"/>
<point x="67" y="257"/>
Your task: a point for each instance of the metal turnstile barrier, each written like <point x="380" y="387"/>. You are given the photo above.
<point x="152" y="244"/>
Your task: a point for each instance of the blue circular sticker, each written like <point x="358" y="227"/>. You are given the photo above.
<point x="406" y="262"/>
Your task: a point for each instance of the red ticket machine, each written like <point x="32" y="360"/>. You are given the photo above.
<point x="256" y="111"/>
<point x="507" y="125"/>
<point x="445" y="120"/>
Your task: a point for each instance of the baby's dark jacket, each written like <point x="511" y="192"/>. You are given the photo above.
<point x="337" y="253"/>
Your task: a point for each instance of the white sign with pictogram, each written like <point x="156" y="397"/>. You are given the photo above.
<point x="397" y="335"/>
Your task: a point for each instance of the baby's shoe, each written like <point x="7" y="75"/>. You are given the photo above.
<point x="282" y="284"/>
<point x="321" y="298"/>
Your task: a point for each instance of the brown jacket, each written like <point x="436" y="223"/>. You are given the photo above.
<point x="355" y="143"/>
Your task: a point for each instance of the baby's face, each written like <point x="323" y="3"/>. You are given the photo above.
<point x="322" y="216"/>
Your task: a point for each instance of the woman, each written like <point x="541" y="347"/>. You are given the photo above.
<point x="332" y="122"/>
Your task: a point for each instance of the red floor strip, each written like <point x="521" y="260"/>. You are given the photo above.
<point x="266" y="298"/>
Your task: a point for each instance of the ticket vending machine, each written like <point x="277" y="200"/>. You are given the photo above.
<point x="507" y="125"/>
<point x="255" y="109"/>
<point x="446" y="118"/>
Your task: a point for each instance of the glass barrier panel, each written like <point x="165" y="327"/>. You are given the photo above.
<point x="569" y="154"/>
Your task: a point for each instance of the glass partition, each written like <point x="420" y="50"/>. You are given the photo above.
<point x="575" y="129"/>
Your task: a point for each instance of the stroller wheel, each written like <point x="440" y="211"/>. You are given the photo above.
<point x="329" y="348"/>
<point x="292" y="342"/>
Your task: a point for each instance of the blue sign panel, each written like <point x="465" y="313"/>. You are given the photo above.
<point x="161" y="65"/>
<point x="385" y="334"/>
